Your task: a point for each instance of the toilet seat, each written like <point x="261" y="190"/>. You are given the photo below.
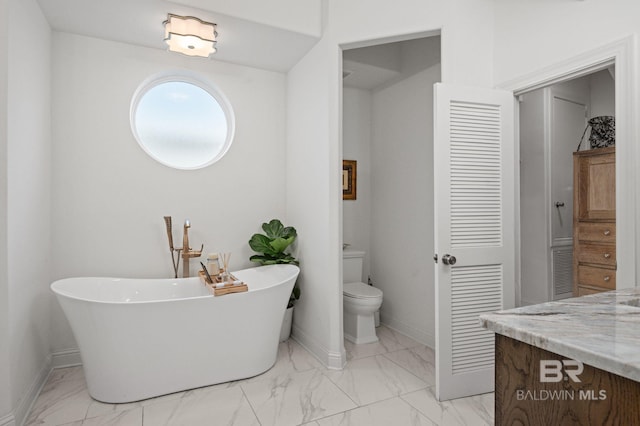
<point x="361" y="291"/>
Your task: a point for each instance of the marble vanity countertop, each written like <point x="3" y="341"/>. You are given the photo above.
<point x="602" y="330"/>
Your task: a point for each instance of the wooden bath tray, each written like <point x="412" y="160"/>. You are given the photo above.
<point x="227" y="289"/>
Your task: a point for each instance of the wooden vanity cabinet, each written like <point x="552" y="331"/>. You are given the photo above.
<point x="594" y="221"/>
<point x="521" y="398"/>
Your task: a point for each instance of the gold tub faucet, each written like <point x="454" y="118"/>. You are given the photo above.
<point x="185" y="251"/>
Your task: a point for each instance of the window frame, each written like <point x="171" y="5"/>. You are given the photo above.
<point x="198" y="81"/>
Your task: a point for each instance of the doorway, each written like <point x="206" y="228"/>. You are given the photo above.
<point x="552" y="122"/>
<point x="619" y="54"/>
<point x="388" y="131"/>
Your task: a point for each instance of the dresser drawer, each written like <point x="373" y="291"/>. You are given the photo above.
<point x="599" y="277"/>
<point x="601" y="254"/>
<point x="599" y="232"/>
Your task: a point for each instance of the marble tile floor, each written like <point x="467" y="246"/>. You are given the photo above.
<point x="386" y="383"/>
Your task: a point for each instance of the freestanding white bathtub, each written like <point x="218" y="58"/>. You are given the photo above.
<point x="141" y="338"/>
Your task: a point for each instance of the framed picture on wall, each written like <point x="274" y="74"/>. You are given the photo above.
<point x="349" y="173"/>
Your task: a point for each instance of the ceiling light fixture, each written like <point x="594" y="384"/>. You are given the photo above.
<point x="190" y="36"/>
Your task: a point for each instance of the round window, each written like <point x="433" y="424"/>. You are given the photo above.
<point x="182" y="122"/>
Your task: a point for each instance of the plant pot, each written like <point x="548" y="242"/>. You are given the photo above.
<point x="285" y="331"/>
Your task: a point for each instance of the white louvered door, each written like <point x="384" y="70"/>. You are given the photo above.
<point x="474" y="222"/>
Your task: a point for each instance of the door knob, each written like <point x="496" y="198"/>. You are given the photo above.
<point x="447" y="259"/>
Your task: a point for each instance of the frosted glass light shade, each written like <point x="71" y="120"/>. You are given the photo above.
<point x="190" y="36"/>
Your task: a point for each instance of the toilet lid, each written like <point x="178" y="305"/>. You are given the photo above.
<point x="361" y="291"/>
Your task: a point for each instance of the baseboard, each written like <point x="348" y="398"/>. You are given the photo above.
<point x="331" y="359"/>
<point x="408" y="330"/>
<point x="60" y="359"/>
<point x="23" y="408"/>
<point x="66" y="358"/>
<point x="8" y="420"/>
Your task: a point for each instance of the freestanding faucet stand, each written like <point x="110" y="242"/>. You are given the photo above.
<point x="185" y="251"/>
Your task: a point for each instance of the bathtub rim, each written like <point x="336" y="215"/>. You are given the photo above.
<point x="57" y="292"/>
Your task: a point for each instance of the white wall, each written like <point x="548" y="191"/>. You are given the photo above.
<point x="6" y="406"/>
<point x="356" y="214"/>
<point x="315" y="134"/>
<point x="314" y="195"/>
<point x="603" y="91"/>
<point x="533" y="200"/>
<point x="28" y="211"/>
<point x="109" y="197"/>
<point x="570" y="28"/>
<point x="402" y="240"/>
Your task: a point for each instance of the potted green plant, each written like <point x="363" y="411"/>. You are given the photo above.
<point x="272" y="245"/>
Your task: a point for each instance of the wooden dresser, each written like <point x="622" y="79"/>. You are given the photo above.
<point x="594" y="221"/>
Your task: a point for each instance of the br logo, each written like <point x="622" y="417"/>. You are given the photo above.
<point x="552" y="370"/>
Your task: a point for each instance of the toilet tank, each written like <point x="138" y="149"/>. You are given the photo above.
<point x="352" y="265"/>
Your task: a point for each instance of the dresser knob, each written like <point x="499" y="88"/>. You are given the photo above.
<point x="607" y="232"/>
<point x="607" y="255"/>
<point x="607" y="278"/>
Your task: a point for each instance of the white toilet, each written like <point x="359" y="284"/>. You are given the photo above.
<point x="360" y="301"/>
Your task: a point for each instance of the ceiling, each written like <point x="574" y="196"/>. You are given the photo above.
<point x="269" y="45"/>
<point x="249" y="33"/>
<point x="374" y="67"/>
